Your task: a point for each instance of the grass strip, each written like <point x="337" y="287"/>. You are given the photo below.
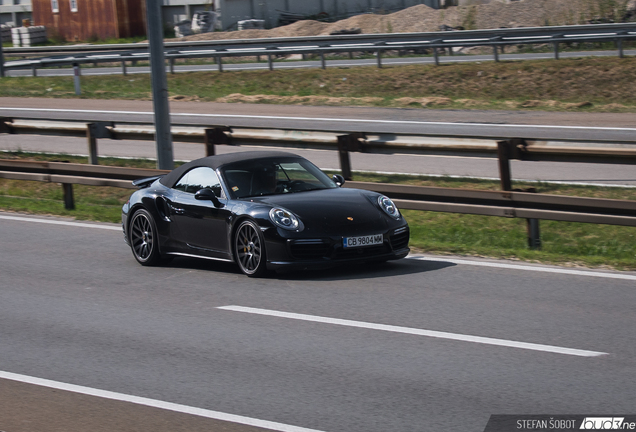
<point x="585" y="84"/>
<point x="563" y="243"/>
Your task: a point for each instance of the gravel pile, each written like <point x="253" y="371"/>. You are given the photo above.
<point x="421" y="18"/>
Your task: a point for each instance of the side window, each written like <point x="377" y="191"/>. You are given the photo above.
<point x="182" y="183"/>
<point x="199" y="178"/>
<point x="54" y="6"/>
<point x="73" y="5"/>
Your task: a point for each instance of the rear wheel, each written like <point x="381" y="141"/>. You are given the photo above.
<point x="249" y="249"/>
<point x="143" y="238"/>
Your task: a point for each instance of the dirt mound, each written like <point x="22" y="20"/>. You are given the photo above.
<point x="301" y="100"/>
<point x="299" y="28"/>
<point x="405" y="102"/>
<point x="421" y="18"/>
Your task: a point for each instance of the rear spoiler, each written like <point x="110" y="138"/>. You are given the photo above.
<point x="145" y="182"/>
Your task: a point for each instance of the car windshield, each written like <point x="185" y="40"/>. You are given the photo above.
<point x="271" y="176"/>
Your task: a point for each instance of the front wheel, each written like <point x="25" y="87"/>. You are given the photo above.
<point x="143" y="238"/>
<point x="249" y="249"/>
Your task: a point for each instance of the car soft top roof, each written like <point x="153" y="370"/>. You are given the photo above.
<point x="217" y="161"/>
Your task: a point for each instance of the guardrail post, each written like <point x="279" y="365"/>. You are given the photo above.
<point x="93" y="132"/>
<point x="323" y="63"/>
<point x="534" y="234"/>
<point x="171" y="63"/>
<point x="512" y="149"/>
<point x="34" y="70"/>
<point x="436" y="50"/>
<point x="123" y="68"/>
<point x="495" y="48"/>
<point x="619" y="44"/>
<point x="91" y="135"/>
<point x="270" y="59"/>
<point x="343" y="153"/>
<point x="76" y="79"/>
<point x="69" y="200"/>
<point x="503" y="156"/>
<point x="347" y="143"/>
<point x="216" y="135"/>
<point x="219" y="62"/>
<point x="556" y="50"/>
<point x="379" y="53"/>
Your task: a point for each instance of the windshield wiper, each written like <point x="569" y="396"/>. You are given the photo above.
<point x="308" y="190"/>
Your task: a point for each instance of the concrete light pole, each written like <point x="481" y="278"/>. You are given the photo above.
<point x="159" y="81"/>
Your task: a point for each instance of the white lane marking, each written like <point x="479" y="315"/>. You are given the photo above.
<point x="422" y="258"/>
<point x="184" y="409"/>
<point x="417" y="332"/>
<point x="325" y="119"/>
<point x="56" y="222"/>
<point x="529" y="268"/>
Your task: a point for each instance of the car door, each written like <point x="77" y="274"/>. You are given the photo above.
<point x="202" y="224"/>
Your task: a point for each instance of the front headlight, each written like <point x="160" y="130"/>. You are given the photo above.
<point x="388" y="206"/>
<point x="284" y="218"/>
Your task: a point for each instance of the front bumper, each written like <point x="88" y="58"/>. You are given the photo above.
<point x="329" y="251"/>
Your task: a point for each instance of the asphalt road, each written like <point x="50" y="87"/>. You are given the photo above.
<point x="612" y="127"/>
<point x="496" y="123"/>
<point x="76" y="308"/>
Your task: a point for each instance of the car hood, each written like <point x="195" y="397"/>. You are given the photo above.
<point x="333" y="211"/>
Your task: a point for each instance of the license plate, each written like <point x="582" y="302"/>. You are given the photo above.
<point x="370" y="240"/>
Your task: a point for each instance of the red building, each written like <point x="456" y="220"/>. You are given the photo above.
<point x="82" y="20"/>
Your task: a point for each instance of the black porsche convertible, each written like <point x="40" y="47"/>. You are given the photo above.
<point x="262" y="210"/>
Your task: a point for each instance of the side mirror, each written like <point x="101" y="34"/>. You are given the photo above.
<point x="207" y="195"/>
<point x="340" y="180"/>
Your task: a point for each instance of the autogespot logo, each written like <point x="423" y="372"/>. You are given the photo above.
<point x="606" y="423"/>
<point x="560" y="423"/>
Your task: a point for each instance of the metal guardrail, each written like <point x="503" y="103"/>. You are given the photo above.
<point x="505" y="203"/>
<point x="509" y="204"/>
<point x="71" y="174"/>
<point x="504" y="148"/>
<point x="321" y="45"/>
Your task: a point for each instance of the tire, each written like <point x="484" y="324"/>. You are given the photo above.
<point x="249" y="249"/>
<point x="144" y="241"/>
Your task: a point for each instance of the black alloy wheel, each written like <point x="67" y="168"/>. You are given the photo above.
<point x="143" y="238"/>
<point x="249" y="249"/>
